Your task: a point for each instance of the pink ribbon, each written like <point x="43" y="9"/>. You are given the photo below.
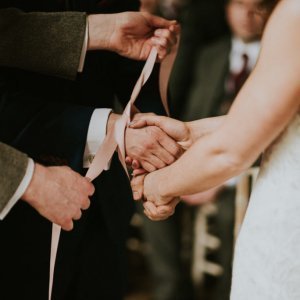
<point x="114" y="139"/>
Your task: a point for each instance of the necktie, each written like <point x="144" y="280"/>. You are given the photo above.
<point x="233" y="85"/>
<point x="236" y="80"/>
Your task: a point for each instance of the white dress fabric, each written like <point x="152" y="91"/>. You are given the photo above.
<point x="267" y="255"/>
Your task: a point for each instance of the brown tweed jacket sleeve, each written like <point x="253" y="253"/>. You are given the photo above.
<point x="13" y="165"/>
<point x="47" y="43"/>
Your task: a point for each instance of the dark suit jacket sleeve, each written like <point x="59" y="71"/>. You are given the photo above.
<point x="50" y="133"/>
<point x="13" y="164"/>
<point x="48" y="43"/>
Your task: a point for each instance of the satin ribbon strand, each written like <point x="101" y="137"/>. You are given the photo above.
<point x="113" y="141"/>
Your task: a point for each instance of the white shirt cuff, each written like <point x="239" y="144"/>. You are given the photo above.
<point x="20" y="190"/>
<point x="232" y="182"/>
<point x="84" y="49"/>
<point x="96" y="134"/>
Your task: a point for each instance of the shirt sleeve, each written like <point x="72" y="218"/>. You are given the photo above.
<point x="84" y="49"/>
<point x="20" y="190"/>
<point x="96" y="134"/>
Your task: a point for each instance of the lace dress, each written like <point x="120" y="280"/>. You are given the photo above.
<point x="267" y="254"/>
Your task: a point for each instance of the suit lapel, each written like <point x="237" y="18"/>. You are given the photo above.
<point x="208" y="83"/>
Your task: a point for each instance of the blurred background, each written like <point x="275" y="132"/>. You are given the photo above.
<point x="189" y="256"/>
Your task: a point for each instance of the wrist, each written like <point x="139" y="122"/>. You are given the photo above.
<point x="32" y="191"/>
<point x="188" y="137"/>
<point x="193" y="132"/>
<point x="100" y="27"/>
<point x="111" y="121"/>
<point x="161" y="181"/>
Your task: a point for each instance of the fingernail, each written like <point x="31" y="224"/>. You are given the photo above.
<point x="136" y="195"/>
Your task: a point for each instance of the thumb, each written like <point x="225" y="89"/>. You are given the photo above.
<point x="146" y="120"/>
<point x="174" y="128"/>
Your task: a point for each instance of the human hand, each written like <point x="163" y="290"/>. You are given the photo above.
<point x="58" y="194"/>
<point x="150" y="148"/>
<point x="132" y="34"/>
<point x="151" y="198"/>
<point x="177" y="130"/>
<point x="162" y="212"/>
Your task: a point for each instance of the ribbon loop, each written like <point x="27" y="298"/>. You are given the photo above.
<point x="113" y="141"/>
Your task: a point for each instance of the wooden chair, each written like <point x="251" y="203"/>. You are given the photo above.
<point x="243" y="189"/>
<point x="205" y="242"/>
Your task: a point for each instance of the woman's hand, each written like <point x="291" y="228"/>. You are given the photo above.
<point x="156" y="206"/>
<point x="177" y="130"/>
<point x="162" y="212"/>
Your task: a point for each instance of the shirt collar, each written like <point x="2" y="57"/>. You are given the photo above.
<point x="238" y="48"/>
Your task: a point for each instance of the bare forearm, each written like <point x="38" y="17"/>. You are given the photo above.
<point x="100" y="30"/>
<point x="204" y="165"/>
<point x="201" y="127"/>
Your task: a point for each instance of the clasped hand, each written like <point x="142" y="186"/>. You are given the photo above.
<point x="167" y="140"/>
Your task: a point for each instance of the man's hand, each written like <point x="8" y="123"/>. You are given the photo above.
<point x="177" y="130"/>
<point x="59" y="194"/>
<point x="151" y="147"/>
<point x="132" y="34"/>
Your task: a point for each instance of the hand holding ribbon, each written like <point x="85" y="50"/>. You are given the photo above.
<point x="114" y="141"/>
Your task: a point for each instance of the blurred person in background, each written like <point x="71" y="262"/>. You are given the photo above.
<point x="220" y="70"/>
<point x="167" y="257"/>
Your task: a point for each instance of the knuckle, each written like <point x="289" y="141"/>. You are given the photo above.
<point x="65" y="219"/>
<point x="164" y="42"/>
<point x="67" y="168"/>
<point x="155" y="130"/>
<point x="147" y="146"/>
<point x="82" y="200"/>
<point x="160" y="165"/>
<point x="149" y="167"/>
<point x="167" y="33"/>
<point x="66" y="225"/>
<point x="139" y="151"/>
<point x="90" y="189"/>
<point x="133" y="182"/>
<point x="177" y="151"/>
<point x="79" y="214"/>
<point x="69" y="226"/>
<point x="170" y="159"/>
<point x="86" y="203"/>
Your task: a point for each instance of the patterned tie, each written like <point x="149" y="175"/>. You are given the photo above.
<point x="233" y="84"/>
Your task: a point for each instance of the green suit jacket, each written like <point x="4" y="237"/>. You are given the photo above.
<point x="207" y="88"/>
<point x="47" y="43"/>
<point x="13" y="164"/>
